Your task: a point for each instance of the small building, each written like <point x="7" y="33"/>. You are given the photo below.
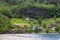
<point x="52" y="27"/>
<point x="33" y="27"/>
<point x="17" y="25"/>
<point x="40" y="28"/>
<point x="49" y="26"/>
<point x="27" y="18"/>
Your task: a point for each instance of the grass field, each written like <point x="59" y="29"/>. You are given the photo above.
<point x="19" y="21"/>
<point x="23" y="22"/>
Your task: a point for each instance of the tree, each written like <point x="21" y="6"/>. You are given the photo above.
<point x="44" y="25"/>
<point x="54" y="17"/>
<point x="40" y="20"/>
<point x="36" y="30"/>
<point x="4" y="23"/>
<point x="57" y="29"/>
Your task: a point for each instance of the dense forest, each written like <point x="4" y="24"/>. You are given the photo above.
<point x="29" y="8"/>
<point x="18" y="8"/>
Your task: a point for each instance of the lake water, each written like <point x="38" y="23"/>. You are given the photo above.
<point x="29" y="37"/>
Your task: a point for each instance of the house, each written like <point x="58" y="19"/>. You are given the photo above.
<point x="27" y="18"/>
<point x="40" y="28"/>
<point x="49" y="26"/>
<point x="52" y="27"/>
<point x="17" y="25"/>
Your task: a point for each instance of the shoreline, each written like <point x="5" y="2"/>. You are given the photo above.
<point x="33" y="33"/>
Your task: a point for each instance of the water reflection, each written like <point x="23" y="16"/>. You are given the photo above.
<point x="30" y="37"/>
<point x="40" y="36"/>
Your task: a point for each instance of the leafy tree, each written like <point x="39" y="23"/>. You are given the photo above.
<point x="36" y="30"/>
<point x="57" y="29"/>
<point x="5" y="24"/>
<point x="44" y="25"/>
<point x="40" y="20"/>
<point x="54" y="17"/>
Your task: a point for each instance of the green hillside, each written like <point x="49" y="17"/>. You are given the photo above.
<point x="40" y="13"/>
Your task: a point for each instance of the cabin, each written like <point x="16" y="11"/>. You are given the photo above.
<point x="52" y="27"/>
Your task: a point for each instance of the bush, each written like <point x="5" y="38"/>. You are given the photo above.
<point x="57" y="29"/>
<point x="44" y="25"/>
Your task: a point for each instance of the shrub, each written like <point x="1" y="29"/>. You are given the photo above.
<point x="57" y="29"/>
<point x="44" y="25"/>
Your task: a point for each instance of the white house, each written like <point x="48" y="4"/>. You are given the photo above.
<point x="27" y="19"/>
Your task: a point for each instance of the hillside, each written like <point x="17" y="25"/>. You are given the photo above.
<point x="5" y="23"/>
<point x="35" y="10"/>
<point x="28" y="8"/>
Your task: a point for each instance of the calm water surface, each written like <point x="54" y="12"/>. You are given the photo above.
<point x="29" y="37"/>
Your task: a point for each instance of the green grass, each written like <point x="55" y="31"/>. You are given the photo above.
<point x="23" y="22"/>
<point x="19" y="21"/>
<point x="14" y="20"/>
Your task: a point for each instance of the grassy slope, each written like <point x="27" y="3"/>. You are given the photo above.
<point x="21" y="21"/>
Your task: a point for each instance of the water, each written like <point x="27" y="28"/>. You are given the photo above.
<point x="29" y="37"/>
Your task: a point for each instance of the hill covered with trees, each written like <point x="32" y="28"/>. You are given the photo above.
<point x="28" y="8"/>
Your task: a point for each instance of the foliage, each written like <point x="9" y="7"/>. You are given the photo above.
<point x="57" y="29"/>
<point x="40" y="20"/>
<point x="54" y="17"/>
<point x="44" y="25"/>
<point x="14" y="6"/>
<point x="36" y="30"/>
<point x="4" y="23"/>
